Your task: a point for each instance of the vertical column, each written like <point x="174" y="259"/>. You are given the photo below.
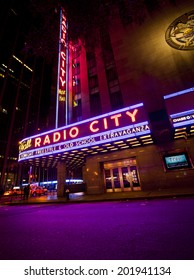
<point x="61" y="177"/>
<point x="92" y="174"/>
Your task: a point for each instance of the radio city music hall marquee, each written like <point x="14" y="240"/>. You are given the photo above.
<point x="120" y="124"/>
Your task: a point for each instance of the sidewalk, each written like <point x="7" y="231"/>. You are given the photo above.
<point x="78" y="197"/>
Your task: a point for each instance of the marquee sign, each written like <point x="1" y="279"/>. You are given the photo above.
<point x="183" y="118"/>
<point x="121" y="124"/>
<point x="62" y="77"/>
<point x="180" y="107"/>
<point x="62" y="59"/>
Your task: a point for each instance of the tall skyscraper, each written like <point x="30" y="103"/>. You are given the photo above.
<point x="23" y="89"/>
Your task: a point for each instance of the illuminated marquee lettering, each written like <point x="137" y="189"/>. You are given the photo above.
<point x="97" y="139"/>
<point x="121" y="133"/>
<point x="25" y="145"/>
<point x="116" y="119"/>
<point x="37" y="142"/>
<point x="64" y="30"/>
<point x="56" y="137"/>
<point x="132" y="116"/>
<point x="119" y="124"/>
<point x="74" y="131"/>
<point x="96" y="126"/>
<point x="105" y="123"/>
<point x="92" y="129"/>
<point x="62" y="59"/>
<point x="46" y="140"/>
<point x="63" y="70"/>
<point x="184" y="118"/>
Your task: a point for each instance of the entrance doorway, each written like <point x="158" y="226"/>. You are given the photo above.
<point x="121" y="175"/>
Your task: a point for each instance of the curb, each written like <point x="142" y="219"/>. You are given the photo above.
<point x="149" y="197"/>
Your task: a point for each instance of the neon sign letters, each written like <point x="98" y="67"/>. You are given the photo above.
<point x="93" y="127"/>
<point x="120" y="124"/>
<point x="183" y="118"/>
<point x="62" y="63"/>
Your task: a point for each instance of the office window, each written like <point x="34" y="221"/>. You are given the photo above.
<point x="92" y="71"/>
<point x="76" y="68"/>
<point x="111" y="74"/>
<point x="76" y="50"/>
<point x="77" y="110"/>
<point x="116" y="100"/>
<point x="95" y="104"/>
<point x="91" y="60"/>
<point x="76" y="85"/>
<point x="93" y="81"/>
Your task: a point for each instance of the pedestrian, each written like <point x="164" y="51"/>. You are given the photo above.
<point x="27" y="191"/>
<point x="67" y="193"/>
<point x="24" y="192"/>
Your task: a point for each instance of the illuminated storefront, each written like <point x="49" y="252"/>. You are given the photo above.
<point x="106" y="133"/>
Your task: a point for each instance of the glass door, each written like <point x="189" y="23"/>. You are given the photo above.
<point x="116" y="178"/>
<point x="121" y="176"/>
<point x="108" y="179"/>
<point x="127" y="180"/>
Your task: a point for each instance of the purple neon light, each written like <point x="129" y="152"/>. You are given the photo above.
<point x="178" y="93"/>
<point x="187" y="116"/>
<point x="183" y="123"/>
<point x="184" y="113"/>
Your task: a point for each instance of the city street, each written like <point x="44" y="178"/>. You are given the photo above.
<point x="135" y="230"/>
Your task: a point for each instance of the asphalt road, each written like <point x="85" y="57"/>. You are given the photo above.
<point x="160" y="229"/>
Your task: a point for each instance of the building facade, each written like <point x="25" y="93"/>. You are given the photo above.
<point x="22" y="91"/>
<point x="130" y="106"/>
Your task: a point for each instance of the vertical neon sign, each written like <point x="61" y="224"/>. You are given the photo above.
<point x="62" y="78"/>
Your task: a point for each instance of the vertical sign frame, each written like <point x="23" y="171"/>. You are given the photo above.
<point x="62" y="76"/>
